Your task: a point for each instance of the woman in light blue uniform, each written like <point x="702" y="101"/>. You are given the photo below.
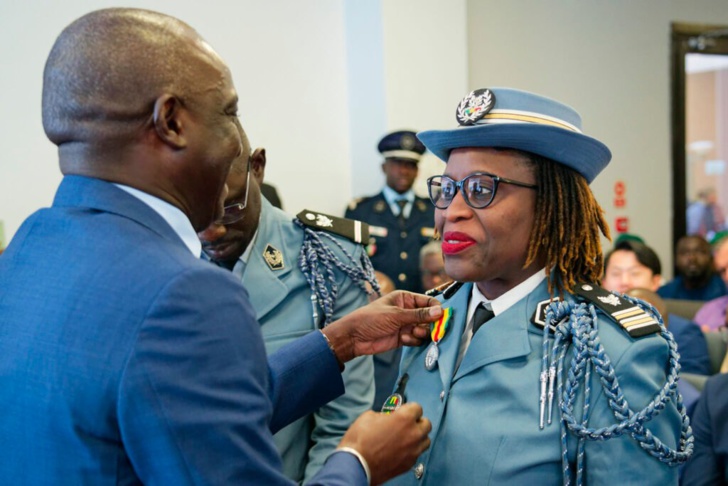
<point x="591" y="400"/>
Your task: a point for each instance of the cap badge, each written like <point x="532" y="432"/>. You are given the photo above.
<point x="475" y="106"/>
<point x="273" y="257"/>
<point x="408" y="142"/>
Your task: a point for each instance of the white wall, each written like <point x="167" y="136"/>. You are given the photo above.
<point x="288" y="62"/>
<point x="320" y="82"/>
<point x="610" y="61"/>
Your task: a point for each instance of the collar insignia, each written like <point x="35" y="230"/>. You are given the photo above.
<point x="273" y="257"/>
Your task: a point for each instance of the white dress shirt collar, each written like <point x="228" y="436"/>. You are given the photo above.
<point x="172" y="215"/>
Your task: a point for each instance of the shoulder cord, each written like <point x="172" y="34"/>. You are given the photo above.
<point x="577" y="325"/>
<point x="317" y="261"/>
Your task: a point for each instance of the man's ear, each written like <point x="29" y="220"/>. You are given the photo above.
<point x="257" y="164"/>
<point x="167" y="120"/>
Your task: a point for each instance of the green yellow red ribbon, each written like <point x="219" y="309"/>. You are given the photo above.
<point x="439" y="328"/>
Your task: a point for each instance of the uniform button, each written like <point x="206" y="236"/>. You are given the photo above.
<point x="403" y="234"/>
<point x="403" y="255"/>
<point x="419" y="470"/>
<point x="442" y="395"/>
<point x="402" y="277"/>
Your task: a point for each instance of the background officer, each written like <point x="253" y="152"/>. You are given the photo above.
<point x="400" y="221"/>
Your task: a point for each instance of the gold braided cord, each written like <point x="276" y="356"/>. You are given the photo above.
<point x="567" y="227"/>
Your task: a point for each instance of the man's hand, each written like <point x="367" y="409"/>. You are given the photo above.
<point x="399" y="318"/>
<point x="389" y="443"/>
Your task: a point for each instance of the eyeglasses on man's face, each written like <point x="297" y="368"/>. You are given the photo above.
<point x="235" y="212"/>
<point x="478" y="189"/>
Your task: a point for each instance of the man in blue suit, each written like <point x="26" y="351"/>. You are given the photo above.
<point x="709" y="464"/>
<point x="277" y="256"/>
<point x="124" y="358"/>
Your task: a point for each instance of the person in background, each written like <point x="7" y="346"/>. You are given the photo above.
<point x="386" y="285"/>
<point x="696" y="278"/>
<point x="270" y="192"/>
<point x="140" y="363"/>
<point x="521" y="236"/>
<point x="277" y="258"/>
<point x="432" y="266"/>
<point x="709" y="464"/>
<point x="705" y="216"/>
<point x="400" y="221"/>
<point x="633" y="265"/>
<point x="712" y="315"/>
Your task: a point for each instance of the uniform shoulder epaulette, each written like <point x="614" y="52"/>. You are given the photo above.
<point x="350" y="229"/>
<point x="355" y="202"/>
<point x="446" y="290"/>
<point x="635" y="320"/>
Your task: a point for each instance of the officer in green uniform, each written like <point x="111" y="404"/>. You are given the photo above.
<point x="535" y="374"/>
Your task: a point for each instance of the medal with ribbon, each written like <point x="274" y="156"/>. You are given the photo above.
<point x="437" y="332"/>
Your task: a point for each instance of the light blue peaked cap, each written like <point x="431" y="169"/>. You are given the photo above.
<point x="511" y="118"/>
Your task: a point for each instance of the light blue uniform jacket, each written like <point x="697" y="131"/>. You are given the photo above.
<point x="485" y="415"/>
<point x="282" y="302"/>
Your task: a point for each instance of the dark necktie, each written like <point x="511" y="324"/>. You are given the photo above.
<point x="481" y="316"/>
<point x="401" y="203"/>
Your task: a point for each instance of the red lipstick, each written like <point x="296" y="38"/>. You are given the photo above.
<point x="454" y="242"/>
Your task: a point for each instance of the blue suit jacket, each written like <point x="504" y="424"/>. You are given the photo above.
<point x="281" y="298"/>
<point x="485" y="413"/>
<point x="124" y="359"/>
<point x="709" y="464"/>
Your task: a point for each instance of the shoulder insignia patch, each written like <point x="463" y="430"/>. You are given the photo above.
<point x="351" y="229"/>
<point x="636" y="321"/>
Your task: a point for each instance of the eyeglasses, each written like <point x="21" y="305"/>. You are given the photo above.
<point x="235" y="212"/>
<point x="478" y="189"/>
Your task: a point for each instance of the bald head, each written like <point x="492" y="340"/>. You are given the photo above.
<point x="107" y="68"/>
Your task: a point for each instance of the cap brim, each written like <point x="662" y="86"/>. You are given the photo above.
<point x="586" y="155"/>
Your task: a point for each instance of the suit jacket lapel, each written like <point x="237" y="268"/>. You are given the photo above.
<point x="80" y="191"/>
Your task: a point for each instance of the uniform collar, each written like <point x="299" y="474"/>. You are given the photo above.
<point x="174" y="217"/>
<point x="505" y="301"/>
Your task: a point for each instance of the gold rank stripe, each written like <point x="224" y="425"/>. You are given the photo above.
<point x="638" y="322"/>
<point x="632" y="311"/>
<point x="504" y="116"/>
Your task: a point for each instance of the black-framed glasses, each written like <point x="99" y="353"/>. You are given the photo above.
<point x="478" y="189"/>
<point x="235" y="212"/>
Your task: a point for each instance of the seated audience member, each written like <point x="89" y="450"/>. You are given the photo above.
<point x="262" y="246"/>
<point x="632" y="265"/>
<point x="690" y="344"/>
<point x="712" y="315"/>
<point x="709" y="464"/>
<point x="696" y="278"/>
<point x="432" y="266"/>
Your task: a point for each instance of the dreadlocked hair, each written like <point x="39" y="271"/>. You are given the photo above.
<point x="567" y="226"/>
